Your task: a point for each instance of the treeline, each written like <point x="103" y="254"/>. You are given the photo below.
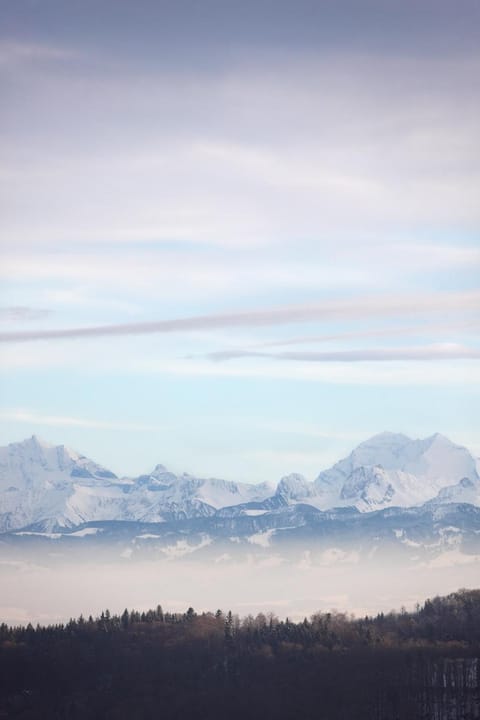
<point x="331" y="666"/>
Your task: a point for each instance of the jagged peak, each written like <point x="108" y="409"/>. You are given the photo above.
<point x="292" y="478"/>
<point x="39" y="441"/>
<point x="36" y="441"/>
<point x="294" y="485"/>
<point x="56" y="458"/>
<point x="159" y="469"/>
<point x="439" y="439"/>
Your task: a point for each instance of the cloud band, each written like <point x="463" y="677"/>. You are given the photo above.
<point x="351" y="309"/>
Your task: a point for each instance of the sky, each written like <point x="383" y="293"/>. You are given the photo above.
<point x="238" y="238"/>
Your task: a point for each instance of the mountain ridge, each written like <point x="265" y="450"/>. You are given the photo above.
<point x="59" y="487"/>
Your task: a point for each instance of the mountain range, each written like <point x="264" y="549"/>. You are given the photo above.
<point x="390" y="483"/>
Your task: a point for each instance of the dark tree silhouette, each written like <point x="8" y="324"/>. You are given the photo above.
<point x="399" y="666"/>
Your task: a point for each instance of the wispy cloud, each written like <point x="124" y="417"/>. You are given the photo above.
<point x="159" y="362"/>
<point x="30" y="417"/>
<point x="451" y="351"/>
<point x="21" y="313"/>
<point x="393" y="140"/>
<point x="350" y="309"/>
<point x="152" y="270"/>
<point x="400" y="331"/>
<point x="157" y="272"/>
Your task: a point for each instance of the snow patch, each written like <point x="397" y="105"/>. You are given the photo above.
<point x="182" y="547"/>
<point x="85" y="532"/>
<point x="52" y="536"/>
<point x="261" y="538"/>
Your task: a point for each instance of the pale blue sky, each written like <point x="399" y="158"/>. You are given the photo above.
<point x="298" y="180"/>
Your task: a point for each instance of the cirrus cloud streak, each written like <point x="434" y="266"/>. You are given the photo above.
<point x="338" y="310"/>
<point x="450" y="351"/>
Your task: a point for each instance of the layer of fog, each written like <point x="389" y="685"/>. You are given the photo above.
<point x="32" y="591"/>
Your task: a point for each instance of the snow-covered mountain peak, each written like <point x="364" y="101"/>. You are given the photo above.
<point x="34" y="463"/>
<point x="393" y="469"/>
<point x="51" y="455"/>
<point x="159" y="469"/>
<point x="465" y="491"/>
<point x="439" y="439"/>
<point x="162" y="476"/>
<point x="295" y="487"/>
<point x="386" y="449"/>
<point x="368" y="487"/>
<point x="35" y="441"/>
<point x="441" y="461"/>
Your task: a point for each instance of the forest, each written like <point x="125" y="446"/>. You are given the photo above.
<point x="420" y="665"/>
